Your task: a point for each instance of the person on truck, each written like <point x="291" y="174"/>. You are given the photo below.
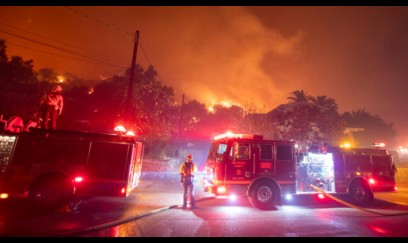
<point x="187" y="178"/>
<point x="51" y="107"/>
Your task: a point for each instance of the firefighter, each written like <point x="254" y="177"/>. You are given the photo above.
<point x="51" y="107"/>
<point x="187" y="178"/>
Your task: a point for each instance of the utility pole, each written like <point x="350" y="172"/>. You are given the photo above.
<point x="128" y="105"/>
<point x="180" y="127"/>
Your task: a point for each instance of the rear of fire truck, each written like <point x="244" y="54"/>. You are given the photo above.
<point x="50" y="167"/>
<point x="355" y="172"/>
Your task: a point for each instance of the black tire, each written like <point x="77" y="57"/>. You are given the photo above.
<point x="264" y="196"/>
<point x="360" y="193"/>
<point x="50" y="194"/>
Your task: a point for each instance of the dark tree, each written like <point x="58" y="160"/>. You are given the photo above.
<point x="374" y="129"/>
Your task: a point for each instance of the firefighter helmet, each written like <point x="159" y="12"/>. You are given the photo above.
<point x="189" y="156"/>
<point x="57" y="88"/>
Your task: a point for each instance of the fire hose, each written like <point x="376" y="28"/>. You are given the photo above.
<point x="352" y="205"/>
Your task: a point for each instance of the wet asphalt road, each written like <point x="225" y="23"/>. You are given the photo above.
<point x="157" y="193"/>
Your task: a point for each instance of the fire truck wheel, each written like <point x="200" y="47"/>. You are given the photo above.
<point x="49" y="194"/>
<point x="360" y="193"/>
<point x="264" y="195"/>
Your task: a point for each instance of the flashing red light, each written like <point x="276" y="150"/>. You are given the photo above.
<point x="120" y="128"/>
<point x="123" y="190"/>
<point x="78" y="179"/>
<point x="371" y="181"/>
<point x="379" y="145"/>
<point x="225" y="135"/>
<point x="130" y="133"/>
<point x="321" y="196"/>
<point x="237" y="135"/>
<point x="221" y="190"/>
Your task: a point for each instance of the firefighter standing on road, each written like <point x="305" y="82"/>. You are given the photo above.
<point x="187" y="178"/>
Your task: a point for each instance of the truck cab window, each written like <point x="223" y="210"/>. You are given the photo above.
<point x="241" y="151"/>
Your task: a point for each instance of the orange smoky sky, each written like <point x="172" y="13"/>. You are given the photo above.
<point x="356" y="55"/>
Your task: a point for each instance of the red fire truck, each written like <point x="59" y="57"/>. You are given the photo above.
<point x="266" y="171"/>
<point x="50" y="167"/>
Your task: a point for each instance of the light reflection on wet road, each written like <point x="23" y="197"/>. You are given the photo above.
<point x="214" y="217"/>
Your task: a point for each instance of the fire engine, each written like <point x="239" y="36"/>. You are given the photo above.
<point x="50" y="167"/>
<point x="268" y="171"/>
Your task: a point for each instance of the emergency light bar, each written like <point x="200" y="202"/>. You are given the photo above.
<point x="379" y="145"/>
<point x="122" y="131"/>
<point x="120" y="128"/>
<point x="237" y="135"/>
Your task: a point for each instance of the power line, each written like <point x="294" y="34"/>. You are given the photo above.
<point x="144" y="53"/>
<point x="54" y="54"/>
<point x="47" y="38"/>
<point x="99" y="21"/>
<point x="117" y="29"/>
<point x="63" y="49"/>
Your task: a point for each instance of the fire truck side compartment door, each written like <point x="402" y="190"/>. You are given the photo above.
<point x="284" y="162"/>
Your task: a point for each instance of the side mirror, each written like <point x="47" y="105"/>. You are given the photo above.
<point x="393" y="169"/>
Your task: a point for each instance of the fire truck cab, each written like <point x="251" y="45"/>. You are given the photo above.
<point x="244" y="164"/>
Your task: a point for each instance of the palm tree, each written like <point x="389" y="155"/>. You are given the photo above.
<point x="299" y="96"/>
<point x="324" y="101"/>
